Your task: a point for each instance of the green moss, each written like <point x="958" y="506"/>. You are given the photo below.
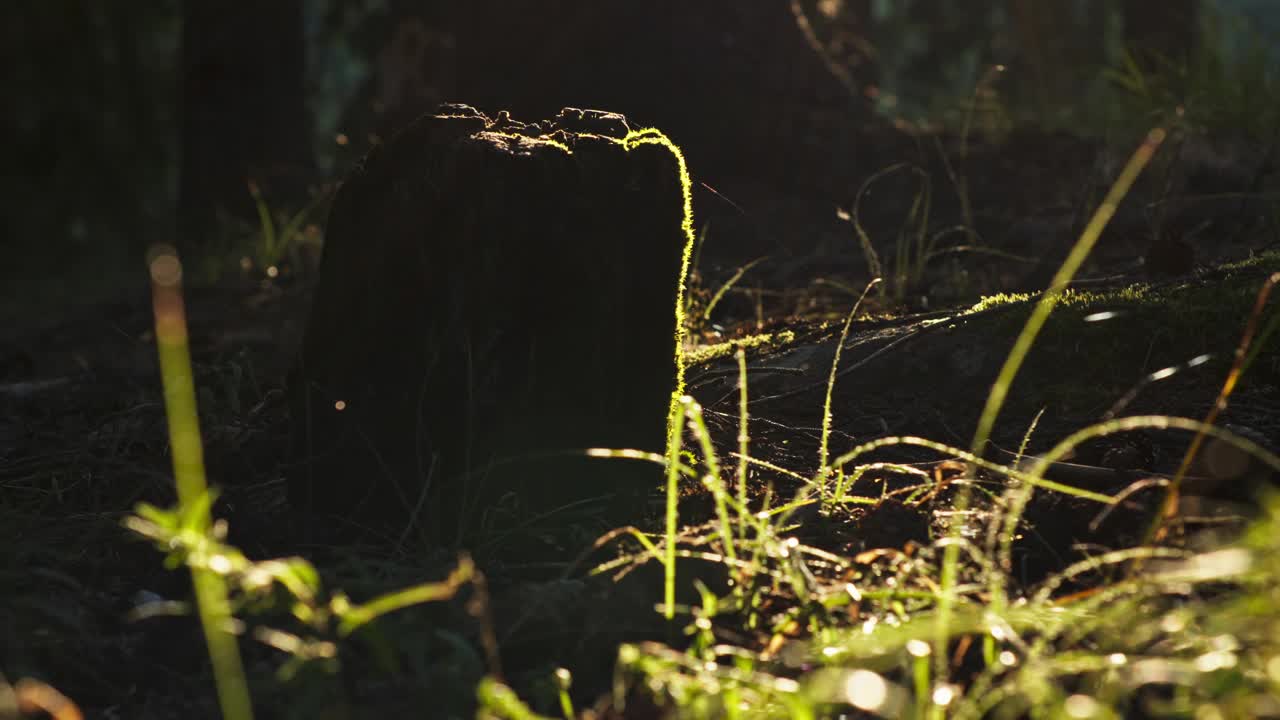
<point x="707" y="353"/>
<point x="652" y="136"/>
<point x="1071" y="298"/>
<point x="1109" y="339"/>
<point x="1237" y="278"/>
<point x="991" y="301"/>
<point x="1265" y="261"/>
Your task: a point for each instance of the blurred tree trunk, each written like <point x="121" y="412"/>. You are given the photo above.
<point x="244" y="115"/>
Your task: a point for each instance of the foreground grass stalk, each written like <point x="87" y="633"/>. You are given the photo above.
<point x="1021" y="347"/>
<point x="824" y="471"/>
<point x="744" y="441"/>
<point x="711" y="479"/>
<point x="1000" y="538"/>
<point x="1238" y="364"/>
<point x="1032" y="477"/>
<point x="1088" y="239"/>
<point x="362" y="615"/>
<point x="652" y="136"/>
<point x="674" y="433"/>
<point x="188" y="470"/>
<point x="1155" y="422"/>
<point x="676" y="409"/>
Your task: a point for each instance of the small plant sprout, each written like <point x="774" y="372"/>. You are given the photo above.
<point x="226" y="583"/>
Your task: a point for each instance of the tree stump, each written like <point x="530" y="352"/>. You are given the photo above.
<point x="494" y="297"/>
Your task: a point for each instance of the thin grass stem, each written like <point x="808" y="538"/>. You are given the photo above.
<point x="744" y="440"/>
<point x="188" y="469"/>
<point x="1021" y="348"/>
<point x="1170" y="506"/>
<point x="712" y="478"/>
<point x="823" y="469"/>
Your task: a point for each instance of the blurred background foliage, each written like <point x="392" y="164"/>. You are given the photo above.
<point x="138" y="122"/>
<point x="92" y="122"/>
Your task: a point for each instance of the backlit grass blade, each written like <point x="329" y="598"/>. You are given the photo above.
<point x="1238" y="365"/>
<point x="188" y="470"/>
<point x="1000" y="390"/>
<point x="1021" y="347"/>
<point x="823" y="470"/>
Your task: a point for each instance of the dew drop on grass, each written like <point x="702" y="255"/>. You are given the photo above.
<point x="944" y="694"/>
<point x="1225" y="643"/>
<point x="1081" y="706"/>
<point x="866" y="690"/>
<point x="1208" y="712"/>
<point x="1273" y="668"/>
<point x="1217" y="660"/>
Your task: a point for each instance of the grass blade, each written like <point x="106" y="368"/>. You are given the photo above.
<point x="1242" y="355"/>
<point x="823" y="469"/>
<point x="188" y="470"/>
<point x="1076" y="258"/>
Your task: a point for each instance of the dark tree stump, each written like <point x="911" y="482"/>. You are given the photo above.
<point x="493" y="297"/>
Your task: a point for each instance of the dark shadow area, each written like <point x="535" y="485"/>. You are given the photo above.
<point x="432" y="251"/>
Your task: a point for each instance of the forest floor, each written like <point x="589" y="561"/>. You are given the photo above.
<point x="83" y="440"/>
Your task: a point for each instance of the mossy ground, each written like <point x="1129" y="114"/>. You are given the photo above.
<point x="1100" y="343"/>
